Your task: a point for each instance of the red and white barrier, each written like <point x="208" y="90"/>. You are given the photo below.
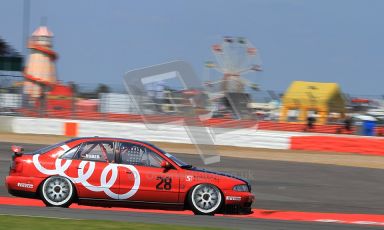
<point x="249" y="137"/>
<point x="162" y="133"/>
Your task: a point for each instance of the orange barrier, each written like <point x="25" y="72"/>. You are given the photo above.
<point x="360" y="145"/>
<point x="70" y="129"/>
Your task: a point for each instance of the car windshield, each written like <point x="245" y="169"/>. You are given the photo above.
<point x="179" y="162"/>
<point x="48" y="148"/>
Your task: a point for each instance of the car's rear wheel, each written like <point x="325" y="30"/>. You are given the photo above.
<point x="205" y="199"/>
<point x="57" y="191"/>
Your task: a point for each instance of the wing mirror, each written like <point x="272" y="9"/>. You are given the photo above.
<point x="166" y="165"/>
<point x="17" y="150"/>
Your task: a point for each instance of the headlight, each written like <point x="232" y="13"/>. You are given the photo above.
<point x="241" y="188"/>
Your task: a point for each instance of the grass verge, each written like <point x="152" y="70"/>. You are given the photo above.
<point x="38" y="223"/>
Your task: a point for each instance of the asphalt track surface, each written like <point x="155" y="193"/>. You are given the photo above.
<point x="277" y="185"/>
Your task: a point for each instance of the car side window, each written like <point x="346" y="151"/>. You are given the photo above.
<point x="135" y="154"/>
<point x="70" y="153"/>
<point x="101" y="151"/>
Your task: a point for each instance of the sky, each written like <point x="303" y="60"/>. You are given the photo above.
<point x="98" y="41"/>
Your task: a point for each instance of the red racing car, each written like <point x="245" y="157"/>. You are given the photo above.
<point x="119" y="172"/>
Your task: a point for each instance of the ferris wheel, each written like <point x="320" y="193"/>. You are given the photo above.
<point x="235" y="56"/>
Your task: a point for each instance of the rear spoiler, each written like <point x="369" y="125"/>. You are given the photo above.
<point x="17" y="150"/>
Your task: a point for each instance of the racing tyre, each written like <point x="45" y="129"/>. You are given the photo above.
<point x="205" y="199"/>
<point x="57" y="191"/>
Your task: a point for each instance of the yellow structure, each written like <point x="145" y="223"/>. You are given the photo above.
<point x="306" y="98"/>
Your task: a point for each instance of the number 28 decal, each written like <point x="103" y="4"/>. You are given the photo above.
<point x="164" y="184"/>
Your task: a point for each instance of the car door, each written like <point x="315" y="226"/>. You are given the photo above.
<point x="141" y="175"/>
<point x="93" y="169"/>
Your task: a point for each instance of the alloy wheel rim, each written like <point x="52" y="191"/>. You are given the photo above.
<point x="206" y="198"/>
<point x="57" y="190"/>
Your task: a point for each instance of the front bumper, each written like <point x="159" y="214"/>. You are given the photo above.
<point x="238" y="202"/>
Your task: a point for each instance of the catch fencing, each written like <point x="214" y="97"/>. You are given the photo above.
<point x="119" y="107"/>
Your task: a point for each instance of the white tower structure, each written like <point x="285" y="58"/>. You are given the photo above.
<point x="40" y="66"/>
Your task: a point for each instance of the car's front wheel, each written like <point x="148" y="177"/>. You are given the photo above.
<point x="57" y="191"/>
<point x="205" y="199"/>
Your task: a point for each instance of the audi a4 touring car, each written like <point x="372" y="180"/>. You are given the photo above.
<point x="120" y="172"/>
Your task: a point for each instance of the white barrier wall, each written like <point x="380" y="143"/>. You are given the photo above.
<point x="6" y="123"/>
<point x="38" y="126"/>
<point x="178" y="134"/>
<point x="162" y="133"/>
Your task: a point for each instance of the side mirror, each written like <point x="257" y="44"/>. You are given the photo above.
<point x="165" y="165"/>
<point x="17" y="150"/>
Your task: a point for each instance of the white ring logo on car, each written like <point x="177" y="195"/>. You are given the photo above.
<point x="84" y="176"/>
